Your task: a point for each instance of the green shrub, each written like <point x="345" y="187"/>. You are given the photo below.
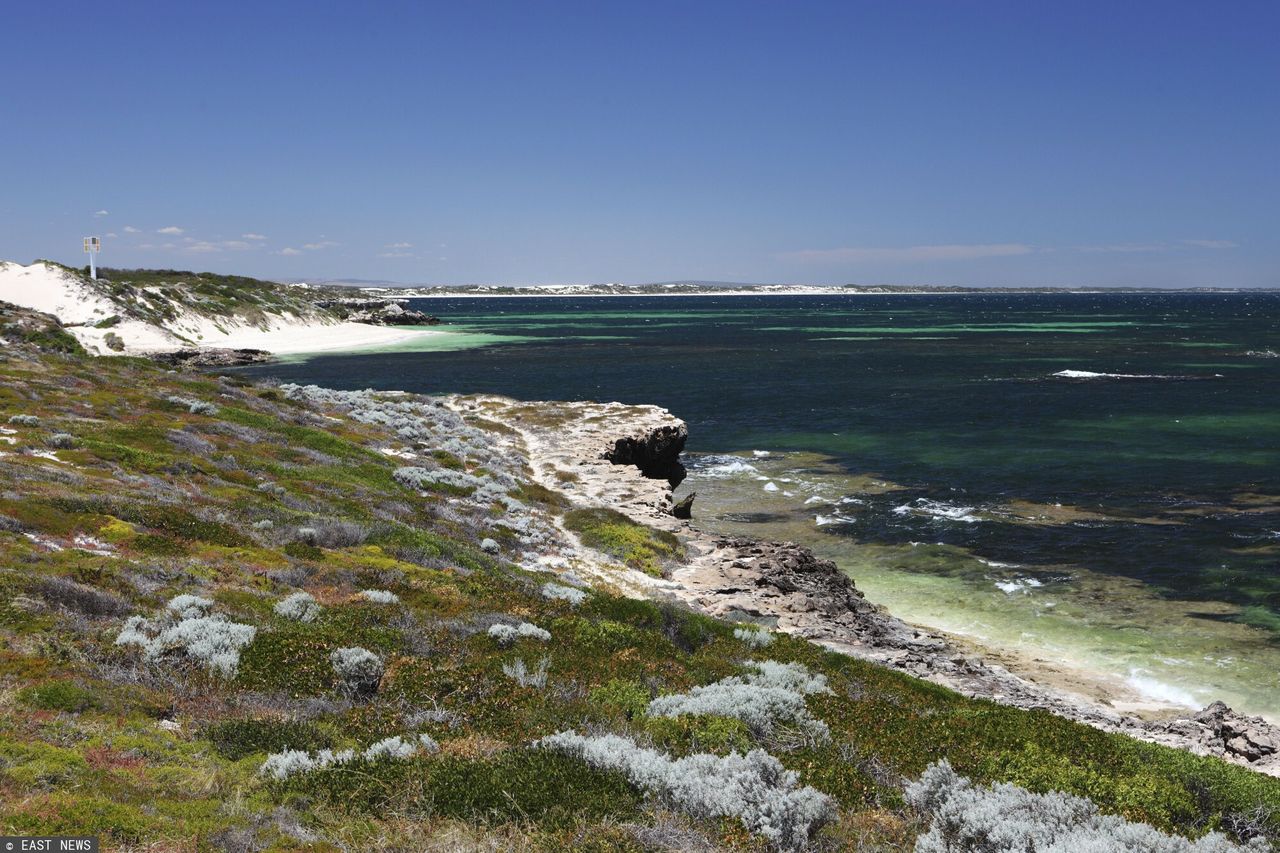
<point x="164" y="518"/>
<point x="160" y="546"/>
<point x="536" y="493"/>
<point x="687" y="630"/>
<point x="303" y="551"/>
<point x="629" y="698"/>
<point x="553" y="790"/>
<point x="234" y="739"/>
<point x="294" y="656"/>
<point x="637" y="545"/>
<point x="705" y="733"/>
<point x="447" y="460"/>
<point x="59" y="696"/>
<point x="81" y="813"/>
<point x="602" y="637"/>
<point x="1141" y="794"/>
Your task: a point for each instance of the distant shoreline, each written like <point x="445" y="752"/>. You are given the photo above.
<point x="412" y="293"/>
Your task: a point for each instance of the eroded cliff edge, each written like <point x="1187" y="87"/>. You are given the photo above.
<point x="627" y="458"/>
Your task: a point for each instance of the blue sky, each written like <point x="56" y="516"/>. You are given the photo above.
<point x="954" y="142"/>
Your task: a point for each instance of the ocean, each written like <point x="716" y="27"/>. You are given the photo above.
<point x="1088" y="480"/>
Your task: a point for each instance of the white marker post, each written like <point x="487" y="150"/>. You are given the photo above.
<point x="92" y="246"/>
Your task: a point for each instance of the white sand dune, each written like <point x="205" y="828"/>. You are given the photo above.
<point x="53" y="290"/>
<point x="44" y="287"/>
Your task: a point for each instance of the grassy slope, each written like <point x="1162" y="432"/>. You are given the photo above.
<point x="174" y="497"/>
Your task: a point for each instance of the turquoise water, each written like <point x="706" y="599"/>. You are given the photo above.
<point x="1141" y="505"/>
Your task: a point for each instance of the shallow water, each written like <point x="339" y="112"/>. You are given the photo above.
<point x="1138" y="487"/>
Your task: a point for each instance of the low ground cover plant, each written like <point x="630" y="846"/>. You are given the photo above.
<point x="153" y="667"/>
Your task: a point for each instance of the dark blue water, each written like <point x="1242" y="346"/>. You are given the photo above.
<point x="953" y="397"/>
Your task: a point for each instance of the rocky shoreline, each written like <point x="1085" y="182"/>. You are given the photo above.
<point x="378" y="312"/>
<point x="628" y="458"/>
<point x="211" y="357"/>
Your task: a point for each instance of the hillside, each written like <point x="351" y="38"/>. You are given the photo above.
<point x="147" y="311"/>
<point x="252" y="617"/>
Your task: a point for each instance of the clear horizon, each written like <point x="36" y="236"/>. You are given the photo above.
<point x="994" y="144"/>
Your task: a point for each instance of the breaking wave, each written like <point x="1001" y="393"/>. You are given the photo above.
<point x="1089" y="374"/>
<point x="938" y="510"/>
<point x="1152" y="688"/>
<point x="721" y="467"/>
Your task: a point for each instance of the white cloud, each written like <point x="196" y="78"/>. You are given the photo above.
<point x="171" y="229"/>
<point x="102" y="213"/>
<point x="129" y="229"/>
<point x="290" y="251"/>
<point x="398" y="246"/>
<point x="1158" y="247"/>
<point x="395" y="254"/>
<point x="1125" y="247"/>
<point x="910" y="254"/>
<point x="253" y="236"/>
<point x="205" y="246"/>
<point x="322" y="244"/>
<point x="112" y="234"/>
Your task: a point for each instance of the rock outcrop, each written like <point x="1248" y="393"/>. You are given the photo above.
<point x="656" y="452"/>
<point x="1222" y="731"/>
<point x="378" y="312"/>
<point x="211" y="357"/>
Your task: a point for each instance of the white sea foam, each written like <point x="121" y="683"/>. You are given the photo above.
<point x="760" y="454"/>
<point x="1089" y="374"/>
<point x="771" y="486"/>
<point x="1018" y="585"/>
<point x="1152" y="688"/>
<point x="724" y="467"/>
<point x="938" y="510"/>
<point x="824" y="520"/>
<point x="817" y="500"/>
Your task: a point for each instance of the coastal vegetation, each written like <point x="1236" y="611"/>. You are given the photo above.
<point x="160" y="297"/>
<point x="638" y="546"/>
<point x="240" y="616"/>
